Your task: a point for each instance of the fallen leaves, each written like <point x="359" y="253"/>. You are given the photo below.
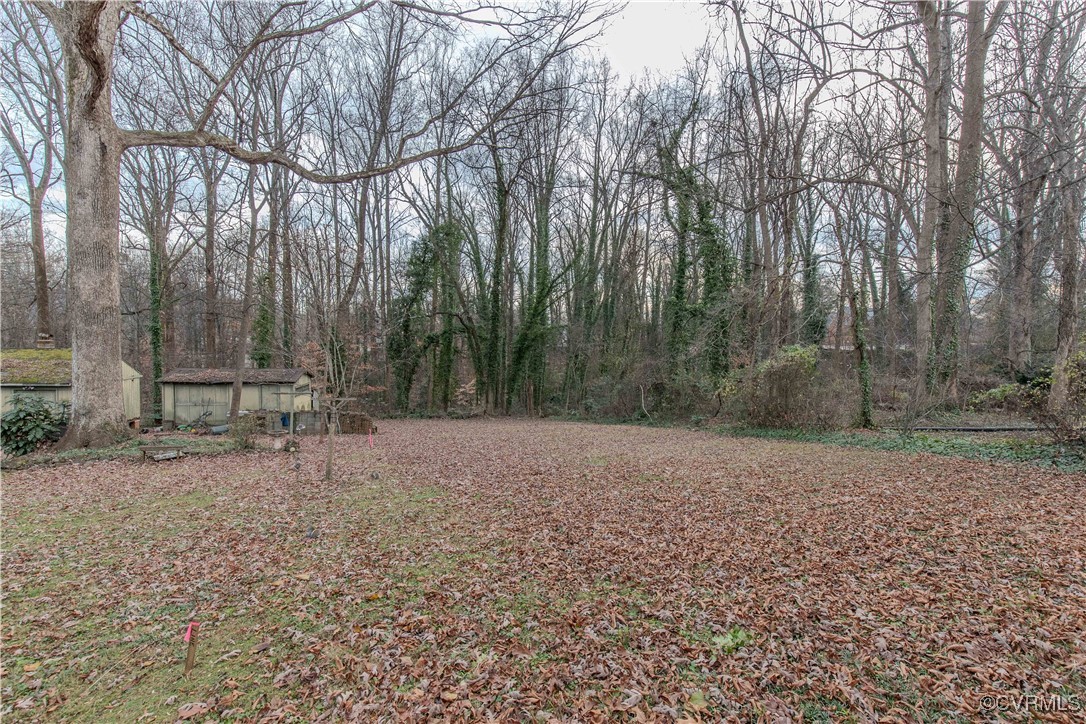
<point x="195" y="709"/>
<point x="537" y="570"/>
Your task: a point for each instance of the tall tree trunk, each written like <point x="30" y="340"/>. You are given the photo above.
<point x="247" y="302"/>
<point x="1069" y="263"/>
<point x="211" y="292"/>
<point x="92" y="152"/>
<point x="955" y="245"/>
<point x="936" y="92"/>
<point x="157" y="332"/>
<point x="272" y="290"/>
<point x="41" y="275"/>
<point x="497" y="273"/>
<point x="1034" y="161"/>
<point x="1024" y="269"/>
<point x="288" y="296"/>
<point x="893" y="296"/>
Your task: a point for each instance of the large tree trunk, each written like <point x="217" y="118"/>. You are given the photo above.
<point x="1068" y="262"/>
<point x="494" y="303"/>
<point x="1024" y="271"/>
<point x="288" y="299"/>
<point x="272" y="290"/>
<point x="955" y="245"/>
<point x="93" y="151"/>
<point x="157" y="330"/>
<point x="936" y="93"/>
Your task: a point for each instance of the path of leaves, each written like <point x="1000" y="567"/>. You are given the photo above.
<point x="516" y="570"/>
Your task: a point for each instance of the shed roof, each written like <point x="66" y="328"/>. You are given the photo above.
<point x="41" y="367"/>
<point x="225" y="376"/>
<point x="36" y="366"/>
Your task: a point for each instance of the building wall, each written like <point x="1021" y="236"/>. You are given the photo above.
<point x="130" y="391"/>
<point x="49" y="394"/>
<point x="185" y="403"/>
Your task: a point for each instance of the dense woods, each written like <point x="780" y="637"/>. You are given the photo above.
<point x="459" y="208"/>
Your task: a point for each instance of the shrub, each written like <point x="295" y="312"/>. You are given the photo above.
<point x="243" y="432"/>
<point x="1064" y="422"/>
<point x="778" y="389"/>
<point x="788" y="390"/>
<point x="31" y="423"/>
<point x="733" y="639"/>
<point x="1010" y="397"/>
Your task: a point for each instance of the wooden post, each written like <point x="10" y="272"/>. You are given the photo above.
<point x="190" y="637"/>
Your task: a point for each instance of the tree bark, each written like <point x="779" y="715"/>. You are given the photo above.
<point x="211" y="291"/>
<point x="242" y="353"/>
<point x="288" y="294"/>
<point x="41" y="274"/>
<point x="1024" y="270"/>
<point x="935" y="124"/>
<point x="497" y="272"/>
<point x="955" y="245"/>
<point x="1068" y="263"/>
<point x="92" y="152"/>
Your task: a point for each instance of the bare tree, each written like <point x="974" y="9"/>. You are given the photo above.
<point x="89" y="34"/>
<point x="31" y="118"/>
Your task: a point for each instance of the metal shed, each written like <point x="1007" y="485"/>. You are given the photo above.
<point x="189" y="393"/>
<point x="47" y="373"/>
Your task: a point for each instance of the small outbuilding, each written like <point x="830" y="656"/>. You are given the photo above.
<point x="187" y="394"/>
<point x="47" y="373"/>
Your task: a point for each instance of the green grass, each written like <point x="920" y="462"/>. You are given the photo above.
<point x="726" y="643"/>
<point x="129" y="449"/>
<point x="121" y="663"/>
<point x="823" y="709"/>
<point x="1063" y="458"/>
<point x="157" y="519"/>
<point x="1010" y="450"/>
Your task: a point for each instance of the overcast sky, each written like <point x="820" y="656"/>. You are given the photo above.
<point x="655" y="36"/>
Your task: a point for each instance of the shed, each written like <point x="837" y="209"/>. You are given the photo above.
<point x="47" y="373"/>
<point x="189" y="393"/>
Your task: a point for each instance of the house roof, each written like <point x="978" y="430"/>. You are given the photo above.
<point x="51" y="367"/>
<point x="225" y="376"/>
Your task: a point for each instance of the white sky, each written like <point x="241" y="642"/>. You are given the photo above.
<point x="655" y="36"/>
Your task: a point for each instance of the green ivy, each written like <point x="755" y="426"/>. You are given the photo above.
<point x="263" y="328"/>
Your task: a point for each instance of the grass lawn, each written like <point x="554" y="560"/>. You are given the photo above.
<point x="524" y="570"/>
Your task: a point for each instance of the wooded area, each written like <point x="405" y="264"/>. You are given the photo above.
<point x="442" y="207"/>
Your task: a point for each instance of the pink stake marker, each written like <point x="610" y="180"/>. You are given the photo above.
<point x="371" y="439"/>
<point x="190" y="639"/>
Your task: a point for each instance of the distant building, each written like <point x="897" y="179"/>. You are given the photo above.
<point x="47" y="373"/>
<point x="187" y="394"/>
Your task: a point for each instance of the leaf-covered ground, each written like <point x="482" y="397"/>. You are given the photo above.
<point x="523" y="570"/>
